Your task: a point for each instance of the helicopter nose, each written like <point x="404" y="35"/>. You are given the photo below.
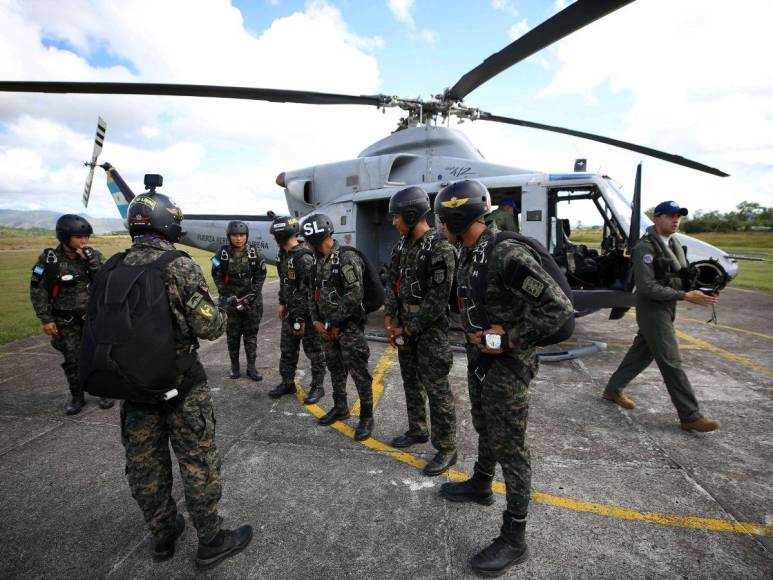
<point x="731" y="267"/>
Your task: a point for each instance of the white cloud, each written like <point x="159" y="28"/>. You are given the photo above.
<point x="518" y="29"/>
<point x="504" y="6"/>
<point x="401" y="10"/>
<point x="428" y="36"/>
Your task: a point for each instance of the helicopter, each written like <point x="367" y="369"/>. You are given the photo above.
<point x="422" y="151"/>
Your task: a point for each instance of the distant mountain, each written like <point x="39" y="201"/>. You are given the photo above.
<point x="46" y="220"/>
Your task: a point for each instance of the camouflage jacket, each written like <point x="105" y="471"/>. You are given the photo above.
<point x="295" y="269"/>
<point x="505" y="222"/>
<point x="656" y="268"/>
<point x="520" y="296"/>
<point x="193" y="311"/>
<point x="236" y="277"/>
<point x="69" y="289"/>
<point x="411" y="306"/>
<point x="328" y="302"/>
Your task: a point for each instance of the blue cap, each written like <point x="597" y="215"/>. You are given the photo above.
<point x="508" y="201"/>
<point x="670" y="208"/>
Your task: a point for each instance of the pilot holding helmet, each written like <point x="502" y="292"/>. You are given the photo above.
<point x="659" y="267"/>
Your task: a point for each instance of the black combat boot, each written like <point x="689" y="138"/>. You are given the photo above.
<point x="406" y="440"/>
<point x="235" y="373"/>
<point x="315" y="394"/>
<point x="365" y="426"/>
<point x="281" y="389"/>
<point x="164" y="549"/>
<point x="339" y="412"/>
<point x="105" y="403"/>
<point x="253" y="373"/>
<point x="505" y="551"/>
<point x="77" y="402"/>
<point x="226" y="543"/>
<point x="441" y="463"/>
<point x="477" y="488"/>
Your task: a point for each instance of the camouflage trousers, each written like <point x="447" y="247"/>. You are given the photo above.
<point x="348" y="355"/>
<point x="500" y="412"/>
<point x="425" y="361"/>
<point x="68" y="342"/>
<point x="146" y="431"/>
<point x="243" y="324"/>
<point x="290" y="346"/>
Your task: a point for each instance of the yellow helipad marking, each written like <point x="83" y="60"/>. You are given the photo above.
<point x="731" y="356"/>
<point x="725" y="327"/>
<point x="386" y="362"/>
<point x="694" y="522"/>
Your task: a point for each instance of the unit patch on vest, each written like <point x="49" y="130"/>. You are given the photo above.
<point x="647" y="258"/>
<point x="206" y="310"/>
<point x="194" y="300"/>
<point x="349" y="274"/>
<point x="532" y="286"/>
<point x="439" y="276"/>
<point x="291" y="274"/>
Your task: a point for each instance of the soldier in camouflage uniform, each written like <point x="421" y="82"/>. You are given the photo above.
<point x="658" y="264"/>
<point x="505" y="217"/>
<point x="339" y="317"/>
<point x="188" y="424"/>
<point x="416" y="321"/>
<point x="238" y="270"/>
<point x="294" y="266"/>
<point x="59" y="290"/>
<point x="522" y="304"/>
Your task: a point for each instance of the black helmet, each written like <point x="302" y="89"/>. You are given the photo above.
<point x="155" y="212"/>
<point x="237" y="227"/>
<point x="460" y="204"/>
<point x="72" y="225"/>
<point x="412" y="203"/>
<point x="283" y="228"/>
<point x="316" y="228"/>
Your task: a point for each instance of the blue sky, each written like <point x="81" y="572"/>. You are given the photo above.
<point x="652" y="73"/>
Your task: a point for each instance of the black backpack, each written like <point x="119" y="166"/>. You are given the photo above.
<point x="128" y="347"/>
<point x="480" y="271"/>
<point x="373" y="297"/>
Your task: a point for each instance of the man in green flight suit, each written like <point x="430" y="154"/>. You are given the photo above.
<point x="505" y="217"/>
<point x="416" y="322"/>
<point x="59" y="291"/>
<point x="659" y="263"/>
<point x="239" y="270"/>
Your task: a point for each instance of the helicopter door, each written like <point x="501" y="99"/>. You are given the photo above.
<point x="534" y="212"/>
<point x="376" y="236"/>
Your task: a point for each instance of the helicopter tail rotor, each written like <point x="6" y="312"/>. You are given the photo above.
<point x="99" y="140"/>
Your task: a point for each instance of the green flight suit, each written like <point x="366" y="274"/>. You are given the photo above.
<point x="505" y="222"/>
<point x="659" y="286"/>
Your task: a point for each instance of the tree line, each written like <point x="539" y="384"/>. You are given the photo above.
<point x="748" y="216"/>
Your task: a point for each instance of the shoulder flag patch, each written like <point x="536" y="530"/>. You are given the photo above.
<point x="647" y="258"/>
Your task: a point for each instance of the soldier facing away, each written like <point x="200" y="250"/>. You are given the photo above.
<point x="658" y="264"/>
<point x="239" y="271"/>
<point x="339" y="317"/>
<point x="416" y="322"/>
<point x="295" y="268"/>
<point x="187" y="421"/>
<point x="59" y="290"/>
<point x="519" y="305"/>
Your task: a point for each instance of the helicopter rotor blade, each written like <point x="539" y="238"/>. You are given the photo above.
<point x="564" y="23"/>
<point x="670" y="157"/>
<point x="178" y="90"/>
<point x="99" y="140"/>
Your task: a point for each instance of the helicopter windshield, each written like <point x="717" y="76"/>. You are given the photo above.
<point x="621" y="206"/>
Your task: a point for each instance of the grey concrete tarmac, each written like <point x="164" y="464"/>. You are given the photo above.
<point x="606" y="481"/>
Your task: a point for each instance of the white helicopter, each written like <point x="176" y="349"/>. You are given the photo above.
<point x="355" y="193"/>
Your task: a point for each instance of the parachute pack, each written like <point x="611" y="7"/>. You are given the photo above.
<point x="373" y="297"/>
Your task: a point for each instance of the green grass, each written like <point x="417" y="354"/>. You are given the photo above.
<point x="18" y="252"/>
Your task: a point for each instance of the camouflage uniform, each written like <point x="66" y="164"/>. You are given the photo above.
<point x="343" y="309"/>
<point x="659" y="286"/>
<point x="235" y="277"/>
<point x="295" y="273"/>
<point x="68" y="307"/>
<point x="505" y="222"/>
<point x="529" y="305"/>
<point x="425" y="357"/>
<point x="189" y="424"/>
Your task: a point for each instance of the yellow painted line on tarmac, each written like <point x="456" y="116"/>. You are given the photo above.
<point x="693" y="522"/>
<point x="725" y="327"/>
<point x="731" y="356"/>
<point x="386" y="362"/>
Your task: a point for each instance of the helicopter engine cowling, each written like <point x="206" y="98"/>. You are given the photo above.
<point x="300" y="191"/>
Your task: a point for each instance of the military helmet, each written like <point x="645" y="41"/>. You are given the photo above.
<point x="460" y="204"/>
<point x="155" y="212"/>
<point x="72" y="225"/>
<point x="412" y="203"/>
<point x="283" y="228"/>
<point x="237" y="227"/>
<point x="316" y="228"/>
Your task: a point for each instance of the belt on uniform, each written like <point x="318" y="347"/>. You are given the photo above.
<point x="68" y="313"/>
<point x="514" y="365"/>
<point x="412" y="308"/>
<point x="472" y="338"/>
